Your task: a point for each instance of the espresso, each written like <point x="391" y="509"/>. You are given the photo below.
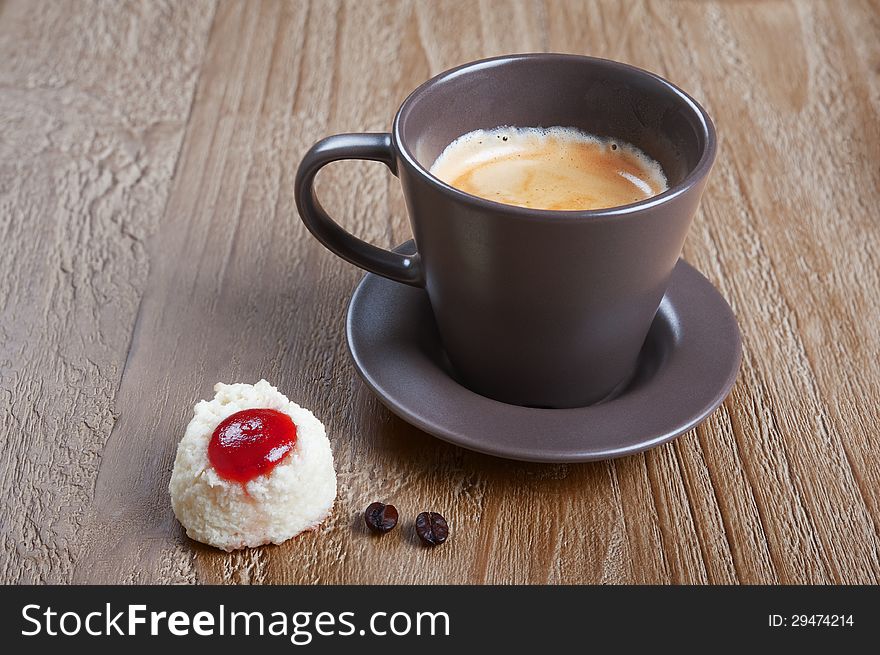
<point x="559" y="168"/>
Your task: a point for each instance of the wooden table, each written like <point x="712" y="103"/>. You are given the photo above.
<point x="151" y="247"/>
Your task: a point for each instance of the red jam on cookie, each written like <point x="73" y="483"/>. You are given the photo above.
<point x="251" y="443"/>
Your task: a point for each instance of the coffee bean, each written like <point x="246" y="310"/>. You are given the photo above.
<point x="380" y="517"/>
<point x="431" y="528"/>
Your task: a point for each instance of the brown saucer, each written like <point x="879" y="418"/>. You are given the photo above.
<point x="686" y="368"/>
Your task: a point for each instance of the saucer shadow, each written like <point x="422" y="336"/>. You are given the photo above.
<point x="662" y="338"/>
<point x="405" y="445"/>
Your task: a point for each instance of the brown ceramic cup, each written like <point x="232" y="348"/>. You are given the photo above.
<point x="534" y="307"/>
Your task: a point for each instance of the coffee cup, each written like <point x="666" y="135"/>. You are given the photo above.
<point x="534" y="307"/>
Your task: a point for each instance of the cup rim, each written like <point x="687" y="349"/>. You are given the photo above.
<point x="694" y="177"/>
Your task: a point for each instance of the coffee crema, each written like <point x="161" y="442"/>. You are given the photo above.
<point x="557" y="168"/>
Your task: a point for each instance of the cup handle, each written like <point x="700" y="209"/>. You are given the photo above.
<point x="373" y="147"/>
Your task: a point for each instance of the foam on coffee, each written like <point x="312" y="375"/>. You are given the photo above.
<point x="559" y="168"/>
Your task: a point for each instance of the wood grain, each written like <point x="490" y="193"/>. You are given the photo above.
<point x="151" y="248"/>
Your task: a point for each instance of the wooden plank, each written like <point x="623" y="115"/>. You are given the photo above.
<point x="93" y="105"/>
<point x="773" y="238"/>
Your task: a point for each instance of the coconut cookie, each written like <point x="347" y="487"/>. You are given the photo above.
<point x="252" y="468"/>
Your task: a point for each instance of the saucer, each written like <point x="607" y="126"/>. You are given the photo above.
<point x="686" y="368"/>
